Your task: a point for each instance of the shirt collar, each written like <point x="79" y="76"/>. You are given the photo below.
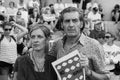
<point x="82" y="39"/>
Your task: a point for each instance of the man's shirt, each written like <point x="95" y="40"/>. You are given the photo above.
<point x="88" y="47"/>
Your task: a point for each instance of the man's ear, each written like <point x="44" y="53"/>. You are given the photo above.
<point x="81" y="24"/>
<point x="62" y="26"/>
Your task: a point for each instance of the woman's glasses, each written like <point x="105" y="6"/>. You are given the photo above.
<point x="107" y="37"/>
<point x="8" y="29"/>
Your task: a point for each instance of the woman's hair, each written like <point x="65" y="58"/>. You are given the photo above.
<point x="116" y="6"/>
<point x="11" y="2"/>
<point x="43" y="27"/>
<point x="46" y="32"/>
<point x="6" y="24"/>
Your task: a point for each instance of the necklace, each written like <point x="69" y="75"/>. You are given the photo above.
<point x="38" y="63"/>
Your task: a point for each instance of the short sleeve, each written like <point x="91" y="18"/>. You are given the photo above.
<point x="99" y="59"/>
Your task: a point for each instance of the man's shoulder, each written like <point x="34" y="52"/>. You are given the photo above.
<point x="91" y="41"/>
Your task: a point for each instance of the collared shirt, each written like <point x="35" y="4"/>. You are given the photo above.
<point x="87" y="46"/>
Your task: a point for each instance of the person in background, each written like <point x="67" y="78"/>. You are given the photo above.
<point x="11" y="11"/>
<point x="74" y="39"/>
<point x="49" y="18"/>
<point x="52" y="8"/>
<point x="2" y="8"/>
<point x="84" y="5"/>
<point x="94" y="16"/>
<point x="101" y="38"/>
<point x="8" y="48"/>
<point x="77" y="2"/>
<point x="21" y="5"/>
<point x="20" y="20"/>
<point x="59" y="6"/>
<point x="115" y="14"/>
<point x="31" y="5"/>
<point x="100" y="9"/>
<point x="35" y="17"/>
<point x="97" y="30"/>
<point x="37" y="64"/>
<point x="111" y="53"/>
<point x="91" y="5"/>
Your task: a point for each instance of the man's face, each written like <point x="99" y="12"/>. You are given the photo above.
<point x="71" y="24"/>
<point x="98" y="27"/>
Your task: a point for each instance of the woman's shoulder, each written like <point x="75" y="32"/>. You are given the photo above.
<point x="23" y="59"/>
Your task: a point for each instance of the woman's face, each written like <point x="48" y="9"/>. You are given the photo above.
<point x="38" y="40"/>
<point x="7" y="30"/>
<point x="11" y="5"/>
<point x="35" y="11"/>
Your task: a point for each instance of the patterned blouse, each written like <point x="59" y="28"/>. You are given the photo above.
<point x="87" y="46"/>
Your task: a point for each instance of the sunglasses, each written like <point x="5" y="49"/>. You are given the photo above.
<point x="18" y="14"/>
<point x="107" y="36"/>
<point x="7" y="29"/>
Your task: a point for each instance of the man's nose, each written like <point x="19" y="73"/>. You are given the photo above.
<point x="71" y="23"/>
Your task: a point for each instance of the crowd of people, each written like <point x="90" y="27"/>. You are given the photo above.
<point x="32" y="37"/>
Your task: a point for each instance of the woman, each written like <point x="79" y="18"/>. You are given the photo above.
<point x="20" y="20"/>
<point x="35" y="17"/>
<point x="111" y="53"/>
<point x="37" y="64"/>
<point x="8" y="48"/>
<point x="11" y="10"/>
<point x="115" y="14"/>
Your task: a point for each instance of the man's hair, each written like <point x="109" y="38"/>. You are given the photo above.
<point x="73" y="9"/>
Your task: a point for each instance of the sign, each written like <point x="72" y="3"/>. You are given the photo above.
<point x="69" y="68"/>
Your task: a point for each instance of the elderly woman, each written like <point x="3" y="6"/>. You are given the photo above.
<point x="37" y="64"/>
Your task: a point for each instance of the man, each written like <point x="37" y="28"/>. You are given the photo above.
<point x="97" y="30"/>
<point x="92" y="59"/>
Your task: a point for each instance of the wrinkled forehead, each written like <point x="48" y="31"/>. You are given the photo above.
<point x="71" y="15"/>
